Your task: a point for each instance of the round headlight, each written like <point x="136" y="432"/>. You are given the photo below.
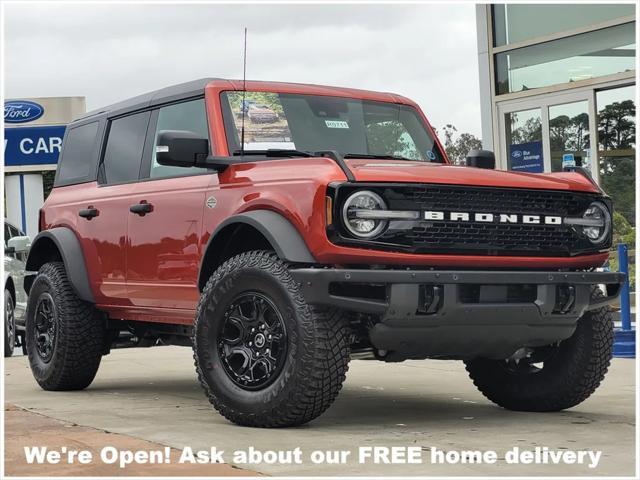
<point x="363" y="227"/>
<point x="598" y="225"/>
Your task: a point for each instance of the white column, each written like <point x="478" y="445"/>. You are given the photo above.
<point x="24" y="194"/>
<point x="484" y="71"/>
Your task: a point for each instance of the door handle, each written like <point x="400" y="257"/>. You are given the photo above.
<point x="141" y="208"/>
<point x="89" y="212"/>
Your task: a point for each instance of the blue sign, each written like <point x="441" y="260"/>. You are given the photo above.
<point x="22" y="111"/>
<point x="526" y="157"/>
<point x="32" y="145"/>
<point x="568" y="160"/>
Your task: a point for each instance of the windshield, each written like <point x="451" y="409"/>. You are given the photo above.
<point x="311" y="123"/>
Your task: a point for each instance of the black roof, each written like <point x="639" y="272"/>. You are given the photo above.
<point x="163" y="95"/>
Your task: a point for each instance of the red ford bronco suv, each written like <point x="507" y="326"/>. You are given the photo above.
<point x="279" y="249"/>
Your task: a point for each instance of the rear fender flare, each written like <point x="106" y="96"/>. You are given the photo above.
<point x="65" y="241"/>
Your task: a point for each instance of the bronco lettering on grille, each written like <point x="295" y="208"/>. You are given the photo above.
<point x="514" y="218"/>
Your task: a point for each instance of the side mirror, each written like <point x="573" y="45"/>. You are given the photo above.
<point x="180" y="148"/>
<point x="18" y="244"/>
<point x="481" y="159"/>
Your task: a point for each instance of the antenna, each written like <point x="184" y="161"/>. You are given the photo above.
<point x="244" y="91"/>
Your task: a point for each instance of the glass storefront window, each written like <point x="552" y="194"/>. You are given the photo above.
<point x="571" y="59"/>
<point x="524" y="141"/>
<point x="516" y="22"/>
<point x="617" y="147"/>
<point x="569" y="135"/>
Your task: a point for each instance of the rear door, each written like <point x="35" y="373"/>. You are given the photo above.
<point x="163" y="248"/>
<point x="104" y="210"/>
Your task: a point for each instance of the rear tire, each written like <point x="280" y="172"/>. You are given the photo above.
<point x="571" y="372"/>
<point x="9" y="323"/>
<point x="64" y="334"/>
<point x="309" y="361"/>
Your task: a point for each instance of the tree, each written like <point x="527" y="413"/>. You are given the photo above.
<point x="458" y="148"/>
<point x="391" y="138"/>
<point x="616" y="134"/>
<point x="616" y="126"/>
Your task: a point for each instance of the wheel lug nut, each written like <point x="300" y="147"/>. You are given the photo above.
<point x="250" y="344"/>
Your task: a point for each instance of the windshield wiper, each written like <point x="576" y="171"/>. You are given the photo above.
<point x="377" y="157"/>
<point x="274" y="152"/>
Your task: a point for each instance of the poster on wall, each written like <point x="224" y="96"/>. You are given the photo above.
<point x="526" y="157"/>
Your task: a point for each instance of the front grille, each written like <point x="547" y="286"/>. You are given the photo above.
<point x="482" y="237"/>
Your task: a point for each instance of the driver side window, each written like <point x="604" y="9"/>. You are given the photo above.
<point x="190" y="116"/>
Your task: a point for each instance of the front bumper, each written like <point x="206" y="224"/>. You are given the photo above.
<point x="429" y="313"/>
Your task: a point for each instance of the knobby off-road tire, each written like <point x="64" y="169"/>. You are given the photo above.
<point x="317" y="346"/>
<point x="9" y="323"/>
<point x="572" y="372"/>
<point x="73" y="326"/>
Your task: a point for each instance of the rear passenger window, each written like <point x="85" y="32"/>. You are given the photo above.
<point x="125" y="143"/>
<point x="77" y="161"/>
<point x="189" y="116"/>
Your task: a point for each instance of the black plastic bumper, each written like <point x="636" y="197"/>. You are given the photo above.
<point x="453" y="326"/>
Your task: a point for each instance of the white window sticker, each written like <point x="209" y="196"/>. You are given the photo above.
<point x="336" y="124"/>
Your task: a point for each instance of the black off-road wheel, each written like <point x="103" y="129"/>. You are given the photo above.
<point x="263" y="356"/>
<point x="64" y="334"/>
<point x="9" y="323"/>
<point x="555" y="377"/>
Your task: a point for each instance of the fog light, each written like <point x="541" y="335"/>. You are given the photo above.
<point x="429" y="299"/>
<point x="565" y="298"/>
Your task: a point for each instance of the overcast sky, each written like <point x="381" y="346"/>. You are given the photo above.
<point x="110" y="52"/>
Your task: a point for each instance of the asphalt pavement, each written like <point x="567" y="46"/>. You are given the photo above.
<point x="152" y="395"/>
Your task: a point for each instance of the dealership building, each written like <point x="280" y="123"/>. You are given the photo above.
<point x="557" y="87"/>
<point x="33" y="132"/>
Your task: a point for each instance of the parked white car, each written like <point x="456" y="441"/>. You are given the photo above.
<point x="16" y="247"/>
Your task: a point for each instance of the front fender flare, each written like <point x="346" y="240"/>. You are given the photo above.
<point x="279" y="232"/>
<point x="67" y="243"/>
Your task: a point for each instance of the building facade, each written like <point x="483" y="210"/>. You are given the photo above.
<point x="34" y="129"/>
<point x="557" y="87"/>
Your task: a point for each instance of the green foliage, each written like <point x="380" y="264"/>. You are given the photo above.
<point x="620" y="224"/>
<point x="618" y="179"/>
<point x="623" y="232"/>
<point x="530" y="131"/>
<point x="391" y="138"/>
<point x="458" y="148"/>
<point x="569" y="134"/>
<point x="617" y="134"/>
<point x="616" y="126"/>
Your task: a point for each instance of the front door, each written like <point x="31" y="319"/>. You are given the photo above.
<point x="163" y="248"/>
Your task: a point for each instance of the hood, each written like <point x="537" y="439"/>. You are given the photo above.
<point x="421" y="172"/>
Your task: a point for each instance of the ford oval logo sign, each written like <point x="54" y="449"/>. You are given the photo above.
<point x="516" y="154"/>
<point x="22" y="111"/>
